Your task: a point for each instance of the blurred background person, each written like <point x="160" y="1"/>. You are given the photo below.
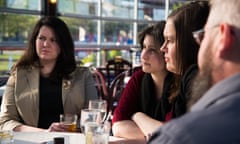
<point x="214" y="118"/>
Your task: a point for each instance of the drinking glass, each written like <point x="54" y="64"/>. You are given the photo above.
<point x="6" y="137"/>
<point x="100" y="105"/>
<point x="89" y="115"/>
<point x="97" y="133"/>
<point x="70" y="120"/>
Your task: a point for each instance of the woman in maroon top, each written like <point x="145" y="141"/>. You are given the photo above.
<point x="146" y="100"/>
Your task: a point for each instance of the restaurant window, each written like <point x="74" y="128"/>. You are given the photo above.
<point x="118" y="22"/>
<point x="84" y="31"/>
<point x="17" y="20"/>
<point x="151" y="10"/>
<point x="117" y="33"/>
<point x="118" y="8"/>
<point x="15" y="28"/>
<point x="21" y="4"/>
<point x="81" y="7"/>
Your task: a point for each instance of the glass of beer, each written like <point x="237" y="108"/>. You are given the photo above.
<point x="70" y="121"/>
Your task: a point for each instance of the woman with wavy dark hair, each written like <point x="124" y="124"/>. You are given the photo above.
<point x="46" y="82"/>
<point x="145" y="102"/>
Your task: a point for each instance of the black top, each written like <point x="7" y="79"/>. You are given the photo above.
<point x="185" y="91"/>
<point x="50" y="102"/>
<point x="150" y="104"/>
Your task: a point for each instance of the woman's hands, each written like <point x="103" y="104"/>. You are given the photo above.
<point x="54" y="127"/>
<point x="57" y="127"/>
<point x="147" y="124"/>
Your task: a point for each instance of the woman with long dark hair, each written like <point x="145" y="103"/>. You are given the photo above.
<point x="46" y="82"/>
<point x="180" y="49"/>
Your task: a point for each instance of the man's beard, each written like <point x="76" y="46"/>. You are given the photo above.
<point x="202" y="82"/>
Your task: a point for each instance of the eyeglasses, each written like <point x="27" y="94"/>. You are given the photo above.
<point x="198" y="35"/>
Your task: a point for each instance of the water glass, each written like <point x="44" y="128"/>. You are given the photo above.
<point x="100" y="105"/>
<point x="97" y="104"/>
<point x="97" y="133"/>
<point x="89" y="115"/>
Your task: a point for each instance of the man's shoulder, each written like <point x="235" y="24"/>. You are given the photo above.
<point x="175" y="131"/>
<point x="182" y="130"/>
<point x="215" y="124"/>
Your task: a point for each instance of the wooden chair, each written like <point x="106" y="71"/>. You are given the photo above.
<point x="116" y="66"/>
<point x="115" y="90"/>
<point x="101" y="84"/>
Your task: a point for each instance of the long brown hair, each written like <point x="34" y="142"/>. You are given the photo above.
<point x="65" y="62"/>
<point x="188" y="18"/>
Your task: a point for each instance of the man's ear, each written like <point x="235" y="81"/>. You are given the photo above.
<point x="226" y="35"/>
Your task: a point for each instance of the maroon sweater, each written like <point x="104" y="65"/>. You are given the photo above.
<point x="129" y="100"/>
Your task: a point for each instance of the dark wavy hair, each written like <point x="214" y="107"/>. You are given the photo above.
<point x="155" y="30"/>
<point x="65" y="62"/>
<point x="150" y="105"/>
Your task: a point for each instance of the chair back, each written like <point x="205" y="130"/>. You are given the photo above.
<point x="115" y="90"/>
<point x="116" y="66"/>
<point x="100" y="83"/>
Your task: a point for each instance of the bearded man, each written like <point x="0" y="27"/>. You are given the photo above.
<point x="214" y="114"/>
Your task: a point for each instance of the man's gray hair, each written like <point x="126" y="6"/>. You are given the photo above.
<point x="225" y="11"/>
